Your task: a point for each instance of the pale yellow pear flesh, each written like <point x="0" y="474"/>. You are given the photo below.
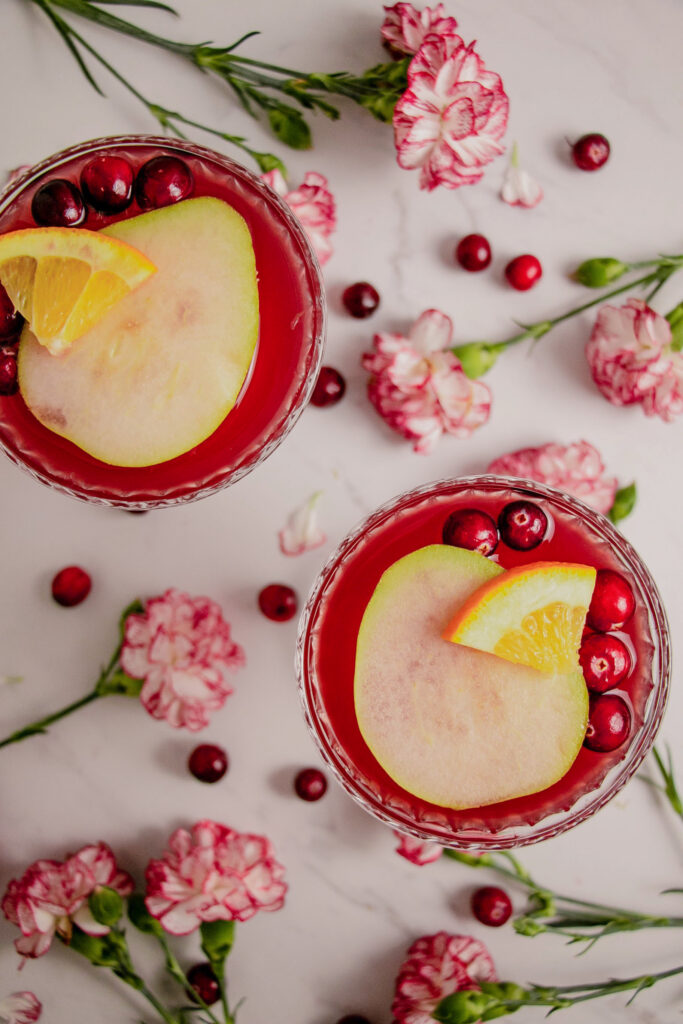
<point x="452" y="725"/>
<point x="162" y="369"/>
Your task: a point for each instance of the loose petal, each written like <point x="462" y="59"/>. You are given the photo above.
<point x="417" y="851"/>
<point x="519" y="188"/>
<point x="301" y="532"/>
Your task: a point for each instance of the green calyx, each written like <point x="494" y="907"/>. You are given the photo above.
<point x="599" y="272"/>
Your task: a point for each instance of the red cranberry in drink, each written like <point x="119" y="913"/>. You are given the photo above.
<point x="523" y="272"/>
<point x="612" y="604"/>
<point x="591" y="151"/>
<point x="71" y="586"/>
<point x="58" y="204"/>
<point x="107" y="183"/>
<point x="8" y="374"/>
<point x="208" y="763"/>
<point x="204" y="984"/>
<point x="605" y="661"/>
<point x="329" y="388"/>
<point x="360" y="299"/>
<point x="522" y="525"/>
<point x="472" y="529"/>
<point x="162" y="181"/>
<point x="609" y="723"/>
<point x="491" y="906"/>
<point x="278" y="602"/>
<point x="473" y="252"/>
<point x="10" y="321"/>
<point x="310" y="784"/>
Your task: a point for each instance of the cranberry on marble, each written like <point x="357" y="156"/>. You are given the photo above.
<point x="278" y="602"/>
<point x="208" y="763"/>
<point x="591" y="151"/>
<point x="71" y="586"/>
<point x="310" y="784"/>
<point x="473" y="253"/>
<point x="204" y="983"/>
<point x="329" y="388"/>
<point x="491" y="906"/>
<point x="360" y="299"/>
<point x="523" y="272"/>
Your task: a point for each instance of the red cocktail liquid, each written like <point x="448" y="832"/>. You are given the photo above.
<point x="283" y="370"/>
<point x="327" y="648"/>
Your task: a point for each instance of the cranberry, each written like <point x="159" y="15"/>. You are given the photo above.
<point x="523" y="272"/>
<point x="107" y="183"/>
<point x="8" y="374"/>
<point x="208" y="763"/>
<point x="310" y="784"/>
<point x="605" y="661"/>
<point x="278" y="602"/>
<point x="10" y="320"/>
<point x="71" y="586"/>
<point x="522" y="525"/>
<point x="162" y="181"/>
<point x="58" y="204"/>
<point x="613" y="602"/>
<point x="353" y="1018"/>
<point x="491" y="906"/>
<point x="472" y="529"/>
<point x="204" y="983"/>
<point x="329" y="388"/>
<point x="473" y="252"/>
<point x="590" y="152"/>
<point x="609" y="723"/>
<point x="360" y="299"/>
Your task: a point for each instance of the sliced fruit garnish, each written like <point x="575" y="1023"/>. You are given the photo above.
<point x="533" y="615"/>
<point x="63" y="280"/>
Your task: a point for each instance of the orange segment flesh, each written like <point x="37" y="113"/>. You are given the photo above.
<point x="532" y="615"/>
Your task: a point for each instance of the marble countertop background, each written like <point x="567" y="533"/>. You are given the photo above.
<point x="111" y="772"/>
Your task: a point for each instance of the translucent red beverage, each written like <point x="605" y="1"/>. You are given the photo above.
<point x="284" y="368"/>
<point x="327" y="646"/>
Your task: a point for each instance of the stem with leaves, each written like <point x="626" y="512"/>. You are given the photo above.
<point x="668" y="785"/>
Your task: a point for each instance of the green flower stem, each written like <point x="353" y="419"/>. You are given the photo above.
<point x="562" y="996"/>
<point x="668" y="786"/>
<point x="176" y="972"/>
<point x="41" y="726"/>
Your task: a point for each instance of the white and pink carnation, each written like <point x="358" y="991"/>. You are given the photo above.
<point x="20" y="1008"/>
<point x="417" y="851"/>
<point x="631" y="360"/>
<point x="176" y="646"/>
<point x="419" y="387"/>
<point x="450" y="120"/>
<point x="313" y="205"/>
<point x="436" y="967"/>
<point x="405" y="27"/>
<point x="574" y="468"/>
<point x="52" y="896"/>
<point x="301" y="532"/>
<point x="213" y="873"/>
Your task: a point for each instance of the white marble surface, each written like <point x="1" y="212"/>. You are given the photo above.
<point x="113" y="773"/>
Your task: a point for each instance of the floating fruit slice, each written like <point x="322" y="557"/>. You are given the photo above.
<point x="63" y="280"/>
<point x="533" y="615"/>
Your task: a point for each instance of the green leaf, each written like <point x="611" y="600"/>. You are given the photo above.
<point x="139" y="3"/>
<point x="106" y="905"/>
<point x="269" y="162"/>
<point x="675" y="318"/>
<point x="624" y="503"/>
<point x="290" y="127"/>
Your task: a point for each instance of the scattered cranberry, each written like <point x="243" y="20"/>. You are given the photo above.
<point x="8" y="374"/>
<point x="360" y="299"/>
<point x="612" y="604"/>
<point x="609" y="723"/>
<point x="208" y="763"/>
<point x="491" y="906"/>
<point x="523" y="272"/>
<point x="162" y="181"/>
<point x="329" y="388"/>
<point x="473" y="252"/>
<point x="58" y="204"/>
<point x="353" y="1018"/>
<point x="204" y="983"/>
<point x="310" y="784"/>
<point x="590" y="152"/>
<point x="522" y="525"/>
<point x="278" y="602"/>
<point x="10" y="320"/>
<point x="472" y="529"/>
<point x="605" y="661"/>
<point x="71" y="586"/>
<point x="107" y="183"/>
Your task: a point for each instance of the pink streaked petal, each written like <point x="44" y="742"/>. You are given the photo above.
<point x="301" y="532"/>
<point x="431" y="332"/>
<point x="20" y="1008"/>
<point x="276" y="181"/>
<point x="87" y="923"/>
<point x="416" y="850"/>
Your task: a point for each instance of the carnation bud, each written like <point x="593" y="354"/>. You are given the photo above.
<point x="528" y="926"/>
<point x="476" y="358"/>
<point x="140" y="916"/>
<point x="599" y="272"/>
<point x="95" y="948"/>
<point x="217" y="939"/>
<point x="106" y="906"/>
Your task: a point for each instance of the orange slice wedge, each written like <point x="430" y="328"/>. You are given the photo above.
<point x="63" y="280"/>
<point x="533" y="615"/>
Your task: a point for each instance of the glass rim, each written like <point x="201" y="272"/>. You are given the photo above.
<point x="505" y="837"/>
<point x="258" y="450"/>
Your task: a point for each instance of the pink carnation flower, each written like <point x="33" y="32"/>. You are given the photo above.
<point x="451" y="118"/>
<point x="20" y="1008"/>
<point x="575" y="468"/>
<point x="631" y="360"/>
<point x="417" y="851"/>
<point x="213" y="874"/>
<point x="313" y="204"/>
<point x="52" y="896"/>
<point x="420" y="388"/>
<point x="437" y="966"/>
<point x="175" y="647"/>
<point x="405" y="28"/>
